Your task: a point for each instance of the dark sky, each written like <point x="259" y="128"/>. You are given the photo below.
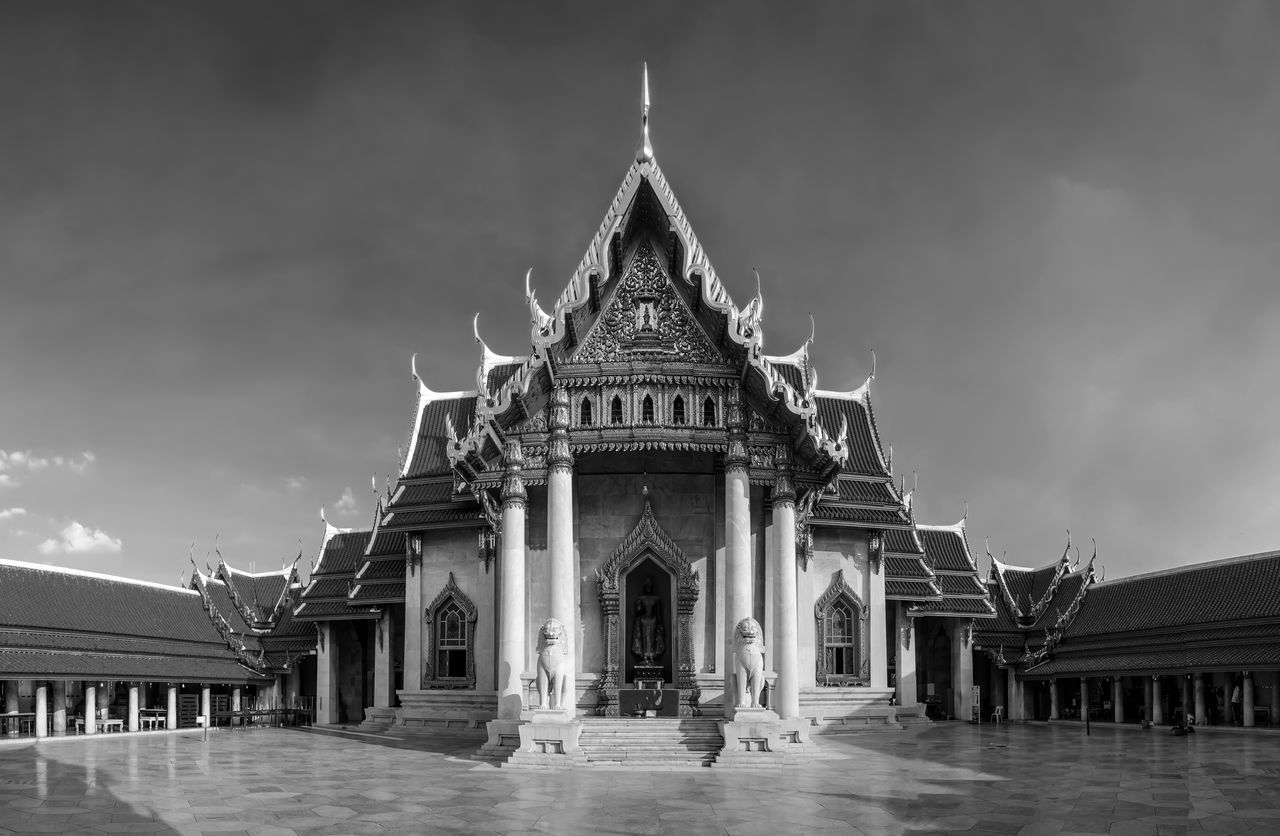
<point x="226" y="227"/>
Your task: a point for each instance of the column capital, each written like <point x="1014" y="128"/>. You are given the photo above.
<point x="736" y="456"/>
<point x="513" y="491"/>
<point x="784" y="489"/>
<point x="558" y="455"/>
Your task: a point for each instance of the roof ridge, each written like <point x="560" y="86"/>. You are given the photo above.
<point x="84" y="573"/>
<point x="1191" y="567"/>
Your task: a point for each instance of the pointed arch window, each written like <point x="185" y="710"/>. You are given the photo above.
<point x="615" y="410"/>
<point x="646" y="410"/>
<point x="843" y="656"/>
<point x="450" y="661"/>
<point x="708" y="412"/>
<point x="584" y="413"/>
<point x="677" y="410"/>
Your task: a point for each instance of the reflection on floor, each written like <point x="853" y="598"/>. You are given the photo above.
<point x="948" y="777"/>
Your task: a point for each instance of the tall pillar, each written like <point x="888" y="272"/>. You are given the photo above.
<point x="171" y="708"/>
<point x="1246" y="687"/>
<point x="90" y="708"/>
<point x="564" y="604"/>
<point x="1188" y="707"/>
<point x="787" y="651"/>
<point x="962" y="671"/>
<point x="1084" y="697"/>
<point x="905" y="648"/>
<point x="879" y="624"/>
<point x="511" y="632"/>
<point x="1012" y="707"/>
<point x="1201" y="716"/>
<point x="1274" y="715"/>
<point x="1147" y="691"/>
<point x="134" y="725"/>
<point x="383" y="669"/>
<point x="11" y="704"/>
<point x="413" y="613"/>
<point x="327" y="708"/>
<point x="236" y="705"/>
<point x="1157" y="701"/>
<point x="206" y="704"/>
<point x="42" y="708"/>
<point x="1117" y="698"/>
<point x="737" y="530"/>
<point x="1055" y="707"/>
<point x="59" y="707"/>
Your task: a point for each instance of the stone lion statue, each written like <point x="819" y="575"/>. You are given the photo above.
<point x="749" y="661"/>
<point x="553" y="665"/>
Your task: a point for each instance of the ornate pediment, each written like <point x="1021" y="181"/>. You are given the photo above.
<point x="646" y="320"/>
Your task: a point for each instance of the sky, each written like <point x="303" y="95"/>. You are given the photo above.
<point x="226" y="228"/>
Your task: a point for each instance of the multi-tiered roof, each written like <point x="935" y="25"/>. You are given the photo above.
<point x="644" y="252"/>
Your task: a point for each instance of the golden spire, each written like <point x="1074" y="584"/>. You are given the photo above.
<point x="645" y="152"/>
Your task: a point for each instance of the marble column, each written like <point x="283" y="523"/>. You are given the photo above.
<point x="1274" y="717"/>
<point x="787" y="651"/>
<point x="1117" y="698"/>
<point x="59" y="707"/>
<point x="384" y="674"/>
<point x="737" y="529"/>
<point x="1084" y="697"/>
<point x="905" y="638"/>
<point x="1055" y="707"/>
<point x="879" y="642"/>
<point x="327" y="706"/>
<point x="171" y="708"/>
<point x="236" y="705"/>
<point x="564" y="605"/>
<point x="511" y="632"/>
<point x="11" y="704"/>
<point x="1157" y="701"/>
<point x="1146" y="699"/>
<point x="132" y="721"/>
<point x="1012" y="708"/>
<point x="1201" y="716"/>
<point x="962" y="671"/>
<point x="90" y="708"/>
<point x="206" y="705"/>
<point x="1246" y="695"/>
<point x="1188" y="706"/>
<point x="413" y="612"/>
<point x="42" y="708"/>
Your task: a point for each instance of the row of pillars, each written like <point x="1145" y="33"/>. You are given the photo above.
<point x="739" y="591"/>
<point x="51" y="715"/>
<point x="1194" y="688"/>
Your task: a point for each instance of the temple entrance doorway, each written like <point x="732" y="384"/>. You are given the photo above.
<point x="648" y="591"/>
<point x="647" y="604"/>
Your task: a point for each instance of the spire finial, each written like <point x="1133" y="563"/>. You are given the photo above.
<point x="645" y="152"/>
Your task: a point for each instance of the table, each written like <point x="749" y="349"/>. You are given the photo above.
<point x="112" y="724"/>
<point x="19" y="721"/>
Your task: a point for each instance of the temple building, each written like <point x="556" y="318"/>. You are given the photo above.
<point x="650" y="485"/>
<point x="643" y="528"/>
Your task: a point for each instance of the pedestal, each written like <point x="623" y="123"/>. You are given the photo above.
<point x="548" y="738"/>
<point x="758" y="737"/>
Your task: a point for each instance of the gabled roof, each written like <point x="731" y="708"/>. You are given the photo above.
<point x="947" y="553"/>
<point x="333" y="576"/>
<point x="57" y="622"/>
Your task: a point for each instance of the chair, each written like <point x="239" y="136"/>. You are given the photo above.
<point x="998" y="715"/>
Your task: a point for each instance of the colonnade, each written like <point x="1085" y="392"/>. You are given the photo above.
<point x="49" y="714"/>
<point x="1190" y="692"/>
<point x="738" y="581"/>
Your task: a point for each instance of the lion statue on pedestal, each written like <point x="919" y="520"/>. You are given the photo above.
<point x="748" y="659"/>
<point x="553" y="665"/>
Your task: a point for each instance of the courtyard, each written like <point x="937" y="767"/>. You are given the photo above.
<point x="951" y="777"/>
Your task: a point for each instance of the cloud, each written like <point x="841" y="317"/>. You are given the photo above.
<point x="295" y="483"/>
<point x="26" y="461"/>
<point x="347" y="505"/>
<point x="10" y="513"/>
<point x="79" y="539"/>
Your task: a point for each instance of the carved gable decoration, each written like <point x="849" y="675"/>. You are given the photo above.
<point x="646" y="319"/>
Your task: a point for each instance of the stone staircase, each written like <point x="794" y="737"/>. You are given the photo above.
<point x="651" y="742"/>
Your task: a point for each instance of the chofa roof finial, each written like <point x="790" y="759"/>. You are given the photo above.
<point x="645" y="152"/>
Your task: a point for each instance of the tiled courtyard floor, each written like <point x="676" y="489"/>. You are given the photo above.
<point x="950" y="777"/>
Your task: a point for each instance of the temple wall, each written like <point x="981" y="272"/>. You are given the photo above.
<point x="608" y="507"/>
<point x="456" y="551"/>
<point x="834" y="549"/>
